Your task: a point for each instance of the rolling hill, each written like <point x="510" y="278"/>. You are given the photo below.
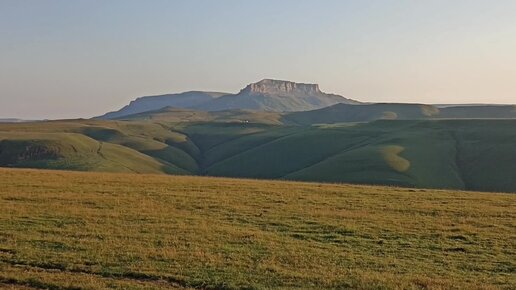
<point x="392" y="111"/>
<point x="457" y="154"/>
<point x="71" y="230"/>
<point x="178" y="115"/>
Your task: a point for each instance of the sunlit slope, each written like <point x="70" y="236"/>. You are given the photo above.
<point x="75" y="152"/>
<point x="97" y="146"/>
<point x="177" y="115"/>
<point x="66" y="230"/>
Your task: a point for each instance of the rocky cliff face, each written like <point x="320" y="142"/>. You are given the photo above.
<point x="277" y="87"/>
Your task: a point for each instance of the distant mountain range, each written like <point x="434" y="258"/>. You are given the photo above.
<point x="266" y="95"/>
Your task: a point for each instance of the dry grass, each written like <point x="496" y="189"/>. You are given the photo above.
<point x="64" y="230"/>
<point x="391" y="156"/>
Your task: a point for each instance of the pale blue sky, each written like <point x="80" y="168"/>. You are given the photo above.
<point x="63" y="58"/>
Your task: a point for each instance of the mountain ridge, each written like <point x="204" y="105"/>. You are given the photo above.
<point x="265" y="95"/>
<point x="149" y="103"/>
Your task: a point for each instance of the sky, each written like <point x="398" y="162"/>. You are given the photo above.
<point x="70" y="59"/>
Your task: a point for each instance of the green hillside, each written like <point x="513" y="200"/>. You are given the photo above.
<point x="71" y="230"/>
<point x="175" y="115"/>
<point x="75" y="152"/>
<point x="455" y="154"/>
<point x="392" y="111"/>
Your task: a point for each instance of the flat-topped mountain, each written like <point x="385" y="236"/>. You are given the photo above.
<point x="277" y="96"/>
<point x="265" y="95"/>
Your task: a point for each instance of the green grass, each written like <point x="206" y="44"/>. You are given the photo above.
<point x="70" y="230"/>
<point x="283" y="155"/>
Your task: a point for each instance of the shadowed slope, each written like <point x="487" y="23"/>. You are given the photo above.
<point x="392" y="111"/>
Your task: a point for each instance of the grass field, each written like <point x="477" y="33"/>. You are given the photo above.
<point x="72" y="230"/>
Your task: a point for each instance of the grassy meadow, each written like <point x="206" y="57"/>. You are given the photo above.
<point x="78" y="230"/>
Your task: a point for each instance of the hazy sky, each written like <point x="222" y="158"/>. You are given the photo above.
<point x="63" y="58"/>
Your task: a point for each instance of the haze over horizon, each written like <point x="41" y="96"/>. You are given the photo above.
<point x="70" y="59"/>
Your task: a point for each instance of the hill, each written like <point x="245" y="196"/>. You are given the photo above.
<point x="177" y="115"/>
<point x="436" y="154"/>
<point x="456" y="154"/>
<point x="392" y="111"/>
<point x="64" y="230"/>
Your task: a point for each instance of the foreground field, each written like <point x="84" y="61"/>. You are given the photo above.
<point x="71" y="230"/>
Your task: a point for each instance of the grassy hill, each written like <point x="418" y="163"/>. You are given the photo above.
<point x="266" y="95"/>
<point x="71" y="230"/>
<point x="455" y="154"/>
<point x="392" y="111"/>
<point x="434" y="154"/>
<point x="176" y="115"/>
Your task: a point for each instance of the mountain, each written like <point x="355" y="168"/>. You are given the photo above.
<point x="266" y="95"/>
<point x="341" y="113"/>
<point x="150" y="103"/>
<point x="276" y="96"/>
